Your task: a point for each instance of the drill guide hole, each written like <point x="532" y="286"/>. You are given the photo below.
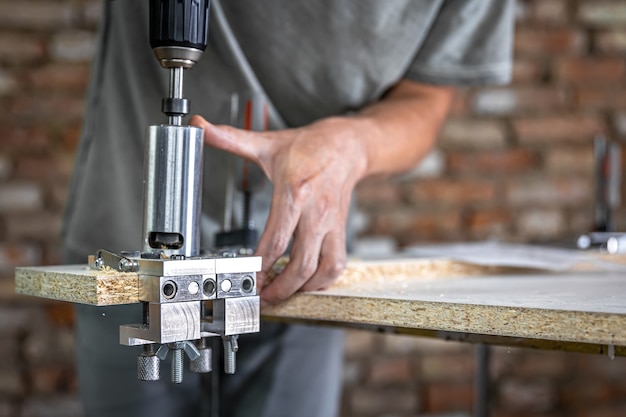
<point x="209" y="287"/>
<point x="247" y="284"/>
<point x="169" y="289"/>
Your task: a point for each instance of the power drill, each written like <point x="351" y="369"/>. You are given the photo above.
<point x="175" y="279"/>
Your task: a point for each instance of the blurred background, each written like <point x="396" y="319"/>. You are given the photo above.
<point x="514" y="163"/>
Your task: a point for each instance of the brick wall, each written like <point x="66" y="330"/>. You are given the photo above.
<point x="514" y="163"/>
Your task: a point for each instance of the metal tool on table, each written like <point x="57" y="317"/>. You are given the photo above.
<point x="608" y="179"/>
<point x="175" y="280"/>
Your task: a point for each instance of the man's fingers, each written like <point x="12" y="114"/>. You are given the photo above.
<point x="332" y="262"/>
<point x="281" y="223"/>
<point x="303" y="262"/>
<point x="240" y="142"/>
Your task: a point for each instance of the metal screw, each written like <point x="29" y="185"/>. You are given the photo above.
<point x="230" y="350"/>
<point x="178" y="361"/>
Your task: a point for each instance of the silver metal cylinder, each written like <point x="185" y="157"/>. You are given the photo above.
<point x="176" y="91"/>
<point x="172" y="189"/>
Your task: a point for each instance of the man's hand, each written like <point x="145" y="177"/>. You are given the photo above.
<point x="314" y="170"/>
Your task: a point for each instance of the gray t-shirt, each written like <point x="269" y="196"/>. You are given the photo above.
<point x="312" y="59"/>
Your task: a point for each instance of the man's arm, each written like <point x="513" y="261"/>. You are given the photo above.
<point x="315" y="168"/>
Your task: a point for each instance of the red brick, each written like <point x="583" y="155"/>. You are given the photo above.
<point x="6" y="167"/>
<point x="401" y="345"/>
<point x="473" y="134"/>
<point x="561" y="129"/>
<point x="601" y="97"/>
<point x="570" y="160"/>
<point x="494" y="162"/>
<point x="61" y="313"/>
<point x="359" y="343"/>
<point x="8" y="408"/>
<point x="20" y="197"/>
<point x="378" y="193"/>
<point x="18" y="48"/>
<point x="460" y="104"/>
<point x="12" y="383"/>
<point x="449" y="368"/>
<point x="619" y="123"/>
<point x="578" y="393"/>
<point x="47" y="345"/>
<point x="444" y="192"/>
<point x="25" y="14"/>
<point x="48" y="109"/>
<point x="536" y="41"/>
<point x="540" y="224"/>
<point x="92" y="12"/>
<point x="536" y="396"/>
<point x="9" y="352"/>
<point x="48" y="379"/>
<point x="519" y="99"/>
<point x="598" y="71"/>
<point x="531" y="364"/>
<point x="441" y="398"/>
<point x="58" y="196"/>
<point x="412" y="227"/>
<point x="23" y="139"/>
<point x="71" y="136"/>
<point x="45" y="169"/>
<point x="528" y="70"/>
<point x="550" y="11"/>
<point x="18" y="254"/>
<point x="52" y="406"/>
<point x="377" y="401"/>
<point x="9" y="83"/>
<point x="390" y="371"/>
<point x="443" y="225"/>
<point x="38" y="226"/>
<point x="602" y="13"/>
<point x="14" y="320"/>
<point x="547" y="191"/>
<point x="351" y="374"/>
<point x="52" y="254"/>
<point x="609" y="410"/>
<point x="488" y="223"/>
<point x="522" y="10"/>
<point x="60" y="77"/>
<point x="611" y="42"/>
<point x="73" y="46"/>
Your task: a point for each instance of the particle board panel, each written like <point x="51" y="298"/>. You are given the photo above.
<point x="81" y="284"/>
<point x="440" y="297"/>
<point x="581" y="307"/>
<point x="78" y="284"/>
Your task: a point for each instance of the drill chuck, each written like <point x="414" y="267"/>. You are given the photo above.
<point x="179" y="31"/>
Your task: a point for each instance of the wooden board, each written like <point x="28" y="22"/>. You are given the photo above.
<point x="573" y="310"/>
<point x="78" y="284"/>
<point x="81" y="284"/>
<point x="580" y="307"/>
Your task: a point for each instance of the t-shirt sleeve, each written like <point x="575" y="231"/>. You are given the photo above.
<point x="469" y="43"/>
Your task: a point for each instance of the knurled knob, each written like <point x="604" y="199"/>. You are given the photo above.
<point x="148" y="367"/>
<point x="203" y="364"/>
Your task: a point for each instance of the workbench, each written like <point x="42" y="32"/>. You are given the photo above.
<point x="581" y="308"/>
